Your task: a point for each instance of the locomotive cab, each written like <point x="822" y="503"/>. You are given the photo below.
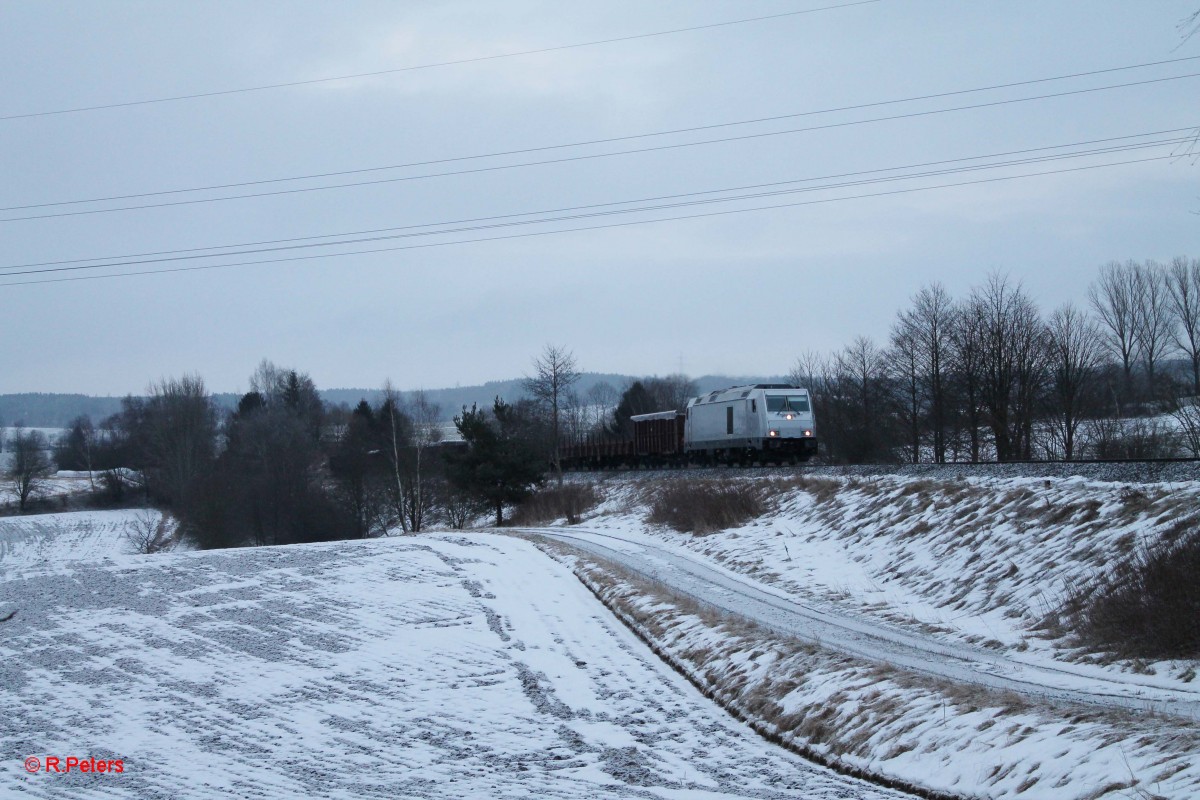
<point x="764" y="422"/>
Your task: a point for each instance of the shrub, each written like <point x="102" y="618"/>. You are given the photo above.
<point x="569" y="501"/>
<point x="1148" y="606"/>
<point x="704" y="506"/>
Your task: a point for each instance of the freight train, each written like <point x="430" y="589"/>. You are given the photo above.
<point x="768" y="423"/>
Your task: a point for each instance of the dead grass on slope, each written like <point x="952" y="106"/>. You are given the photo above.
<point x="1147" y="605"/>
<point x="569" y="501"/>
<point x="705" y="506"/>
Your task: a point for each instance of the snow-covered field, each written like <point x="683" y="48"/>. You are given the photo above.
<point x="56" y="487"/>
<point x="474" y="666"/>
<point x="442" y="666"/>
<point x="969" y="567"/>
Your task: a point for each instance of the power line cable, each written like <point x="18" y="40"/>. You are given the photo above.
<point x="608" y="140"/>
<point x="310" y="82"/>
<point x="585" y="157"/>
<point x="374" y="235"/>
<point x="625" y="223"/>
<point x="596" y="205"/>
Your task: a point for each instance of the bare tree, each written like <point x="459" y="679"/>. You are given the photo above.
<point x="555" y="373"/>
<point x="857" y="403"/>
<point x="966" y="355"/>
<point x="396" y="435"/>
<point x="921" y="340"/>
<point x="1075" y="356"/>
<point x="181" y="435"/>
<point x="904" y="366"/>
<point x="148" y="532"/>
<point x="1183" y="287"/>
<point x="674" y="390"/>
<point x="1013" y="363"/>
<point x="1114" y="299"/>
<point x="28" y="464"/>
<point x="576" y="417"/>
<point x="812" y="370"/>
<point x="1153" y="321"/>
<point x="933" y="318"/>
<point x="424" y="417"/>
<point x="602" y="398"/>
<point x="1187" y="418"/>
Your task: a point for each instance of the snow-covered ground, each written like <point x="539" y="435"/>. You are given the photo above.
<point x="858" y="635"/>
<point x="884" y="568"/>
<point x="57" y="542"/>
<point x="973" y="560"/>
<point x="440" y="666"/>
<point x="54" y="487"/>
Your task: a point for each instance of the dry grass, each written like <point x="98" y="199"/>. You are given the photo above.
<point x="569" y="501"/>
<point x="1148" y="605"/>
<point x="704" y="506"/>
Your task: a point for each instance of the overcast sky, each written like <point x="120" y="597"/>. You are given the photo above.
<point x="739" y="293"/>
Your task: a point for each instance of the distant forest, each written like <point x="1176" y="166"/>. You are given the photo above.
<point x="45" y="410"/>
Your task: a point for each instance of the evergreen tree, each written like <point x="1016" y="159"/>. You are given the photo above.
<point x="500" y="464"/>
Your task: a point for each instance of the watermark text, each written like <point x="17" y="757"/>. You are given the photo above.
<point x="65" y="764"/>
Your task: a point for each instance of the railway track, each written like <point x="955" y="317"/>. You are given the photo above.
<point x="1163" y="470"/>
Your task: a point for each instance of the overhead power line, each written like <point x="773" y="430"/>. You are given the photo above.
<point x="615" y="139"/>
<point x="625" y="223"/>
<point x="376" y="73"/>
<point x="1108" y="145"/>
<point x="592" y="156"/>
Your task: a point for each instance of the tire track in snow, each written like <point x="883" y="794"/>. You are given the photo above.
<point x="866" y="639"/>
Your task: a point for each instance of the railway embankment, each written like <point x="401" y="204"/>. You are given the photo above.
<point x="963" y="561"/>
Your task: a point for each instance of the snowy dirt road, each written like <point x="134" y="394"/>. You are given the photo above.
<point x="436" y="667"/>
<point x="843" y="632"/>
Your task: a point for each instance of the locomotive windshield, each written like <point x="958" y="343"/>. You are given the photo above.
<point x="783" y="404"/>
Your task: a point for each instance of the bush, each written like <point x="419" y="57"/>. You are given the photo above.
<point x="704" y="506"/>
<point x="1148" y="606"/>
<point x="568" y="502"/>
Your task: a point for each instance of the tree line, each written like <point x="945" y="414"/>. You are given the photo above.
<point x="990" y="377"/>
<point x="984" y="377"/>
<point x="285" y="467"/>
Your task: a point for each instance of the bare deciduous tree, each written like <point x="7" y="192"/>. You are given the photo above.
<point x="1153" y="321"/>
<point x="1013" y="359"/>
<point x="28" y="464"/>
<point x="1075" y="355"/>
<point x="181" y="435"/>
<point x="1183" y="287"/>
<point x="1114" y="299"/>
<point x="904" y="366"/>
<point x="148" y="532"/>
<point x="966" y="360"/>
<point x="396" y="430"/>
<point x="933" y="317"/>
<point x="921" y="339"/>
<point x="602" y="398"/>
<point x="1187" y="417"/>
<point x="857" y="403"/>
<point x="555" y="373"/>
<point x="424" y="417"/>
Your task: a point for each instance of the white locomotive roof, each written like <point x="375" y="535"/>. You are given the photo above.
<point x="736" y="392"/>
<point x="655" y="415"/>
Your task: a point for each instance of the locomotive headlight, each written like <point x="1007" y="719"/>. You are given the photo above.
<point x="787" y="416"/>
<point x="808" y="433"/>
<point x="772" y="433"/>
